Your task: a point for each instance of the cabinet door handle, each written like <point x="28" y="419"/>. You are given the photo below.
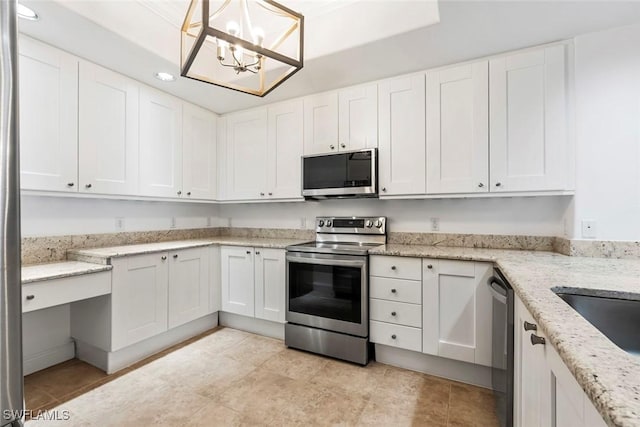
<point x="393" y="291"/>
<point x="480" y="185"/>
<point x="262" y="194"/>
<point x="333" y="147"/>
<point x="393" y="313"/>
<point x="343" y="146"/>
<point x="189" y="193"/>
<point x="248" y="252"/>
<point x="179" y="192"/>
<point x="530" y="326"/>
<point x="30" y="297"/>
<point x="175" y="256"/>
<point x="271" y="194"/>
<point x="257" y="252"/>
<point x="88" y="186"/>
<point x="498" y="184"/>
<point x="163" y="257"/>
<point x="384" y="189"/>
<point x="393" y="337"/>
<point x="537" y="340"/>
<point x="429" y="266"/>
<point x="393" y="267"/>
<point x="70" y="184"/>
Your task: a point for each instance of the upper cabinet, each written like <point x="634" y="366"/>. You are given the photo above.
<point x="321" y="124"/>
<point x="48" y="118"/>
<point x="284" y="150"/>
<point x="246" y="154"/>
<point x="199" y="153"/>
<point x="458" y="129"/>
<point x="528" y="120"/>
<point x="401" y="125"/>
<point x="358" y="117"/>
<point x="160" y="144"/>
<point x="108" y="132"/>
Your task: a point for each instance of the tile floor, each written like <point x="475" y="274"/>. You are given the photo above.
<point x="229" y="377"/>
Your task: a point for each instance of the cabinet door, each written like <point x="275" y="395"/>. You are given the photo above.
<point x="321" y="124"/>
<point x="402" y="136"/>
<point x="138" y="298"/>
<point x="358" y="118"/>
<point x="532" y="385"/>
<point x="528" y="120"/>
<point x="199" y="156"/>
<point x="458" y="129"/>
<point x="270" y="284"/>
<point x="457" y="310"/>
<point x="215" y="276"/>
<point x="48" y="118"/>
<point x="160" y="144"/>
<point x="246" y="155"/>
<point x="237" y="280"/>
<point x="284" y="150"/>
<point x="108" y="132"/>
<point x="188" y="285"/>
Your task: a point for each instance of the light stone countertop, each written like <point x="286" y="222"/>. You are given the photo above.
<point x="57" y="270"/>
<point x="102" y="255"/>
<point x="607" y="374"/>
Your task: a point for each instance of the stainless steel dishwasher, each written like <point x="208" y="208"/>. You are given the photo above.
<point x="502" y="347"/>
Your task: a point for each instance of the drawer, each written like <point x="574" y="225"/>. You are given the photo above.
<point x="399" y="313"/>
<point x="395" y="335"/>
<point x="395" y="289"/>
<point x="49" y="293"/>
<point x="396" y="267"/>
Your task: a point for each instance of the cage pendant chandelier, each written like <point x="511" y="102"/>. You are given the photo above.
<point x="251" y="46"/>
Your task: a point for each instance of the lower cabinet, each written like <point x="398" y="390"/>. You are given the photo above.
<point x="188" y="286"/>
<point x="545" y="392"/>
<point x="253" y="282"/>
<point x="456" y="307"/>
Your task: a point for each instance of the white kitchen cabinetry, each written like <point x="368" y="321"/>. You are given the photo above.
<point x="270" y="284"/>
<point x="358" y="118"/>
<point x="215" y="276"/>
<point x="458" y="129"/>
<point x="160" y="161"/>
<point x="199" y="153"/>
<point x="321" y="124"/>
<point x="528" y="120"/>
<point x="246" y="154"/>
<point x="545" y="391"/>
<point x="253" y="282"/>
<point x="108" y="132"/>
<point x="48" y="118"/>
<point x="457" y="310"/>
<point x="139" y="298"/>
<point x="401" y="103"/>
<point x="284" y="150"/>
<point x="188" y="285"/>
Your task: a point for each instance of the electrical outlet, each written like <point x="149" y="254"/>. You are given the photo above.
<point x="435" y="224"/>
<point x="589" y="229"/>
<point x="119" y="223"/>
<point x="173" y="222"/>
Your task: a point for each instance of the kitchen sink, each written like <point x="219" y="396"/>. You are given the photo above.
<point x="617" y="319"/>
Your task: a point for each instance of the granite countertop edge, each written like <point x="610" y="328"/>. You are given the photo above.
<point x="59" y="270"/>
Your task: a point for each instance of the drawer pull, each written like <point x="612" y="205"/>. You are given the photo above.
<point x="30" y="297"/>
<point x="530" y="326"/>
<point x="537" y="340"/>
<point x="257" y="252"/>
<point x="393" y="291"/>
<point x="393" y="313"/>
<point x="163" y="257"/>
<point x="429" y="266"/>
<point x="393" y="267"/>
<point x="175" y="256"/>
<point x="393" y="337"/>
<point x="248" y="252"/>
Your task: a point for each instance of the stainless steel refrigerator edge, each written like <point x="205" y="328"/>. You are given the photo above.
<point x="11" y="387"/>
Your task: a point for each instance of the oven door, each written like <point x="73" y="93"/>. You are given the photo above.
<point x="328" y="292"/>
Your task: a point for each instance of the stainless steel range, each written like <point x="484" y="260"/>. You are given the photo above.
<point x="328" y="288"/>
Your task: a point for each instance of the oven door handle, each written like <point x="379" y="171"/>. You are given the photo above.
<point x="326" y="261"/>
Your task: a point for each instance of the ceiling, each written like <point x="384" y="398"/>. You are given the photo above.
<point x="347" y="41"/>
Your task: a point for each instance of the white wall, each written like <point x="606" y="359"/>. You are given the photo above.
<point x="608" y="133"/>
<point x="521" y="215"/>
<point x="55" y="216"/>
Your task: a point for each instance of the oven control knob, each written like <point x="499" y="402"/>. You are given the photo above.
<point x="378" y="223"/>
<point x="368" y="224"/>
<point x="328" y="223"/>
<point x="320" y="222"/>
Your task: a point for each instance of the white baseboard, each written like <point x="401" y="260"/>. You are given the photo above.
<point x="251" y="324"/>
<point x="437" y="366"/>
<point x="114" y="361"/>
<point x="47" y="358"/>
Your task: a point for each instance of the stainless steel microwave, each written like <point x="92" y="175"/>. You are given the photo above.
<point x="344" y="174"/>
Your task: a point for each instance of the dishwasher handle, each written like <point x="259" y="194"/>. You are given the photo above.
<point x="498" y="290"/>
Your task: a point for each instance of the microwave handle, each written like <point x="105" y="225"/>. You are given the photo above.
<point x="325" y="261"/>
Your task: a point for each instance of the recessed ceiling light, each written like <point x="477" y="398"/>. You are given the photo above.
<point x="26" y="13"/>
<point x="165" y="77"/>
